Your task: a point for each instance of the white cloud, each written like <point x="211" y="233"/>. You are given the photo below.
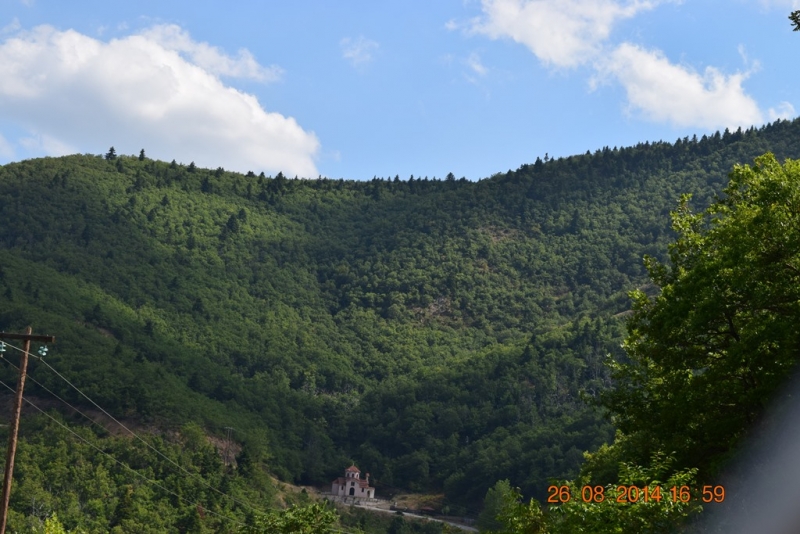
<point x="358" y="51"/>
<point x="6" y="150"/>
<point x="752" y="65"/>
<point x="665" y="92"/>
<point x="47" y="144"/>
<point x="569" y="33"/>
<point x="158" y="90"/>
<point x="785" y="110"/>
<point x="11" y="27"/>
<point x="474" y="63"/>
<point x="789" y="4"/>
<point x="561" y="33"/>
<point x="211" y="58"/>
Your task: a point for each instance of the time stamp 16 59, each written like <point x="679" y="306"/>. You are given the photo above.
<point x="635" y="494"/>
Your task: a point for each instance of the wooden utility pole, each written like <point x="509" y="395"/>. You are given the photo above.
<point x="27" y="337"/>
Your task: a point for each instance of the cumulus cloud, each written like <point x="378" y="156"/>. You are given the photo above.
<point x="665" y="92"/>
<point x="561" y="33"/>
<point x="358" y="51"/>
<point x="211" y="58"/>
<point x="571" y="33"/>
<point x="157" y="90"/>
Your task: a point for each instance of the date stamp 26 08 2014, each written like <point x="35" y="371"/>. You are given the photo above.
<point x="634" y="494"/>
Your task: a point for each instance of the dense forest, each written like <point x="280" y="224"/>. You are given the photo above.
<point x="442" y="334"/>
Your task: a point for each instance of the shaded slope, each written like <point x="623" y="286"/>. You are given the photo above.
<point x="438" y="332"/>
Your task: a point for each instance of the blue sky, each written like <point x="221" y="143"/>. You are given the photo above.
<point x="355" y="89"/>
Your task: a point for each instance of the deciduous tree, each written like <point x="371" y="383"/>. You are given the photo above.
<point x="708" y="352"/>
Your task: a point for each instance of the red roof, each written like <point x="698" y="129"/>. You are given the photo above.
<point x="352" y="469"/>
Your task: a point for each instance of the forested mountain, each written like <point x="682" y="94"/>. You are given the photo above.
<point x="443" y="334"/>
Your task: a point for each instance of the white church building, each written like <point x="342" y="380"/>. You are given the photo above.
<point x="351" y="485"/>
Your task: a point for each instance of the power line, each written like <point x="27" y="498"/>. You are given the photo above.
<point x="95" y="447"/>
<point x="27" y="337"/>
<point x="154" y="483"/>
<point x="170" y="460"/>
<point x="40" y="357"/>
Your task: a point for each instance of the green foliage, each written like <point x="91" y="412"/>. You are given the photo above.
<point x="53" y="526"/>
<point x="710" y="350"/>
<point x="441" y="333"/>
<point x="516" y="517"/>
<point x="310" y="519"/>
<point x="658" y="513"/>
<point x="611" y="509"/>
<point x="496" y="498"/>
<point x="707" y="354"/>
<point x="131" y="488"/>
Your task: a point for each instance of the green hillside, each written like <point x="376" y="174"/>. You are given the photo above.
<point x="442" y="334"/>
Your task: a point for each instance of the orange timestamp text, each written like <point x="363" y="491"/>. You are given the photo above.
<point x="634" y="494"/>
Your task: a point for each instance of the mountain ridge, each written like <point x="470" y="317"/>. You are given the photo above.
<point x="438" y="332"/>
